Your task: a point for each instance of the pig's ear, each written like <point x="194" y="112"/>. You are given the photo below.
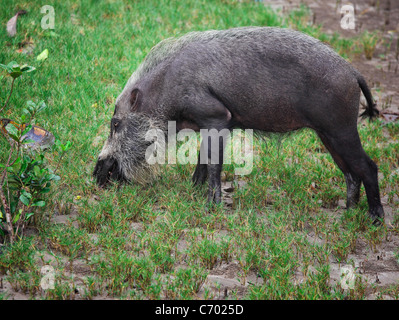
<point x="134" y="99"/>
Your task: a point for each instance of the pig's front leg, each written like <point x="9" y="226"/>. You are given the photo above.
<point x="201" y="171"/>
<point x="215" y="190"/>
<point x="215" y="122"/>
<point x="214" y="167"/>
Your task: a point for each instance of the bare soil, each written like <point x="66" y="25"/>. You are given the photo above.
<point x="378" y="267"/>
<point x="381" y="16"/>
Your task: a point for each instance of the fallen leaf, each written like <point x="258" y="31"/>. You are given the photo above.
<point x="43" y="56"/>
<point x="12" y="23"/>
<point x="389" y="117"/>
<point x="12" y="26"/>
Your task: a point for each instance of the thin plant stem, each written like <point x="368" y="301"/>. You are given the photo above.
<point x="8" y="99"/>
<point x="3" y="198"/>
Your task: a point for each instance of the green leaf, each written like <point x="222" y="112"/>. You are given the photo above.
<point x="15" y="138"/>
<point x="16" y="217"/>
<point x="45" y="190"/>
<point x="27" y="141"/>
<point x="24" y="166"/>
<point x="36" y="171"/>
<point x="12" y="64"/>
<point x="39" y="203"/>
<point x="31" y="107"/>
<point x="41" y="106"/>
<point x="11" y="129"/>
<point x="16" y="72"/>
<point x="64" y="147"/>
<point x="24" y="200"/>
<point x="68" y="145"/>
<point x="23" y="118"/>
<point x="43" y="56"/>
<point x="26" y="68"/>
<point x="28" y="215"/>
<point x="26" y="194"/>
<point x="10" y="169"/>
<point x="26" y="130"/>
<point x="54" y="177"/>
<point x="6" y="68"/>
<point x="12" y="132"/>
<point x="9" y="66"/>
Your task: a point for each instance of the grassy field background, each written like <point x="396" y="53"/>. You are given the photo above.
<point x="280" y="236"/>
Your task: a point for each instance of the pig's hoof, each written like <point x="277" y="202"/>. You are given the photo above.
<point x="350" y="203"/>
<point x="200" y="177"/>
<point x="377" y="216"/>
<point x="214" y="196"/>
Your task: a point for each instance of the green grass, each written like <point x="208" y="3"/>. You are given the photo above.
<point x="162" y="241"/>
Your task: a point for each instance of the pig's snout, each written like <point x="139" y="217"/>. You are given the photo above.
<point x="107" y="170"/>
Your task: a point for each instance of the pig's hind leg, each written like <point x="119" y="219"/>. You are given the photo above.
<point x="353" y="182"/>
<point x="348" y="153"/>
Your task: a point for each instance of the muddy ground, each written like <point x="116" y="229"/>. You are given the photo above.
<point x="377" y="266"/>
<point x="382" y="16"/>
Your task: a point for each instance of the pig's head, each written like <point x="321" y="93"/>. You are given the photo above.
<point x="123" y="157"/>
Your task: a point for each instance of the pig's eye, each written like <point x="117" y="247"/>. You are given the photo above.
<point x="115" y="124"/>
